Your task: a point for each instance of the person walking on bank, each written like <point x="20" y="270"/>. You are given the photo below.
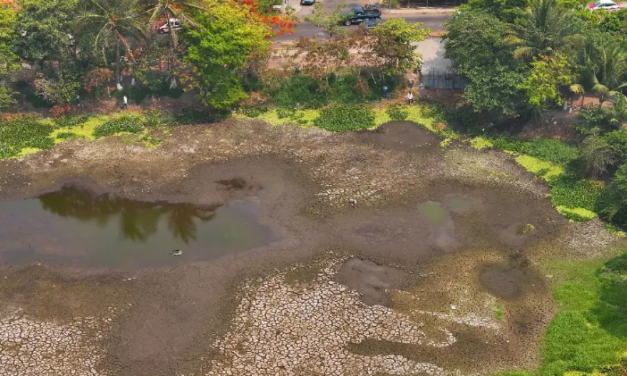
<point x="78" y="100"/>
<point x="385" y="92"/>
<point x="125" y="103"/>
<point x="410" y="98"/>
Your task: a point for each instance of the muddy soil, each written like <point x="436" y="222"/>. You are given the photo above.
<point x="355" y="195"/>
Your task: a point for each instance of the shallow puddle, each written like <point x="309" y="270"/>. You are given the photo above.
<point x="433" y="213"/>
<point x="74" y="226"/>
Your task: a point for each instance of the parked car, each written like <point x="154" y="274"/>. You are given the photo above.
<point x="307" y="2"/>
<point x="604" y="4"/>
<point x="164" y="29"/>
<point x="360" y="14"/>
<point x="369" y="24"/>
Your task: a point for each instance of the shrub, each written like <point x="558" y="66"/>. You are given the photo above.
<point x="69" y="121"/>
<point x="68" y="135"/>
<point x="299" y="91"/>
<point x="195" y="116"/>
<point x="25" y="132"/>
<point x="613" y="204"/>
<point x="571" y="191"/>
<point x="397" y="113"/>
<point x="252" y="112"/>
<point x="130" y="124"/>
<point x="154" y="118"/>
<point x="341" y="118"/>
<point x="595" y="156"/>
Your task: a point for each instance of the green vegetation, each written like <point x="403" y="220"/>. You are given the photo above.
<point x="342" y="118"/>
<point x="124" y="124"/>
<point x="24" y="132"/>
<point x="589" y="333"/>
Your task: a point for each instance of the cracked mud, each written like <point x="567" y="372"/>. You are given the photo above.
<point x="361" y="278"/>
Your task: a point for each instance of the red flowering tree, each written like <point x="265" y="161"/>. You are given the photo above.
<point x="97" y="78"/>
<point x="280" y="22"/>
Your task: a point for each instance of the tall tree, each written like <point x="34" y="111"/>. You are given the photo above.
<point x="44" y="27"/>
<point x="330" y="23"/>
<point x="228" y="38"/>
<point x="116" y="21"/>
<point x="9" y="61"/>
<point x="179" y="9"/>
<point x="611" y="75"/>
<point x="546" y="29"/>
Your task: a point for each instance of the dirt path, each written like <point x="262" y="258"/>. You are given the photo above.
<point x="350" y="237"/>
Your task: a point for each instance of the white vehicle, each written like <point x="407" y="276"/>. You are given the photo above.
<point x="608" y="5"/>
<point x="174" y="22"/>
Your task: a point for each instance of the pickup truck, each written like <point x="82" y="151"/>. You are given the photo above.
<point x="360" y="14"/>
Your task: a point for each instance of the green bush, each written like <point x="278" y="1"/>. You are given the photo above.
<point x="69" y="121"/>
<point x="130" y="124"/>
<point x="344" y="89"/>
<point x="613" y="204"/>
<point x="154" y="118"/>
<point x="397" y="113"/>
<point x="68" y="135"/>
<point x="253" y="112"/>
<point x="342" y="118"/>
<point x="299" y="91"/>
<point x="195" y="116"/>
<point x="26" y="132"/>
<point x="570" y="191"/>
<point x="595" y="156"/>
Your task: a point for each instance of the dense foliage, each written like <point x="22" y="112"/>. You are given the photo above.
<point x="342" y="118"/>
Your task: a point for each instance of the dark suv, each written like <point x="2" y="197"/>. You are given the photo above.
<point x="360" y="14"/>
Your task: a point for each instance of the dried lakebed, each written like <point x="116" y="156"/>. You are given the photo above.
<point x="356" y="254"/>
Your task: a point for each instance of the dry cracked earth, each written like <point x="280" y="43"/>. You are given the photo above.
<point x="390" y="256"/>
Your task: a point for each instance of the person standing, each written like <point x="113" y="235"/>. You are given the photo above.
<point x="78" y="100"/>
<point x="385" y="92"/>
<point x="125" y="103"/>
<point x="412" y="79"/>
<point x="410" y="98"/>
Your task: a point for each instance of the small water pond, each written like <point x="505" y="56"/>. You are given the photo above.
<point x="74" y="226"/>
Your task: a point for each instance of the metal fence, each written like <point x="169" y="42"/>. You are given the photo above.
<point x="442" y="80"/>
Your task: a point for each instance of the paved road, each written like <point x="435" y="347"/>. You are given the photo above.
<point x="306" y="29"/>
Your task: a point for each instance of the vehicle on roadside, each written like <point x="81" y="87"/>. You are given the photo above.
<point x="608" y="5"/>
<point x="174" y="22"/>
<point x="360" y="14"/>
<point x="307" y="2"/>
<point x="369" y="24"/>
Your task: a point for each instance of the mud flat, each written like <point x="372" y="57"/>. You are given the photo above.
<point x="303" y="252"/>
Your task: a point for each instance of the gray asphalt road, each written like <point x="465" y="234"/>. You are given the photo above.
<point x="306" y="29"/>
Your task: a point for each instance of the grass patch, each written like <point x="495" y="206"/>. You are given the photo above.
<point x="498" y="312"/>
<point x="590" y="331"/>
<point x="124" y="124"/>
<point x="24" y="133"/>
<point x="480" y="143"/>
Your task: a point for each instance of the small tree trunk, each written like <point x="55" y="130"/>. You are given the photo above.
<point x="117" y="63"/>
<point x="583" y="96"/>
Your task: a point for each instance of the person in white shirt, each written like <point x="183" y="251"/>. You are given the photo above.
<point x="410" y="98"/>
<point x="125" y="102"/>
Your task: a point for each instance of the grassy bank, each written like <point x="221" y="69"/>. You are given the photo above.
<point x="588" y="335"/>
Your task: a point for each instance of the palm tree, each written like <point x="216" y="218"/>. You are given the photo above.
<point x="611" y="74"/>
<point x="115" y="20"/>
<point x="548" y="28"/>
<point x="176" y="9"/>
